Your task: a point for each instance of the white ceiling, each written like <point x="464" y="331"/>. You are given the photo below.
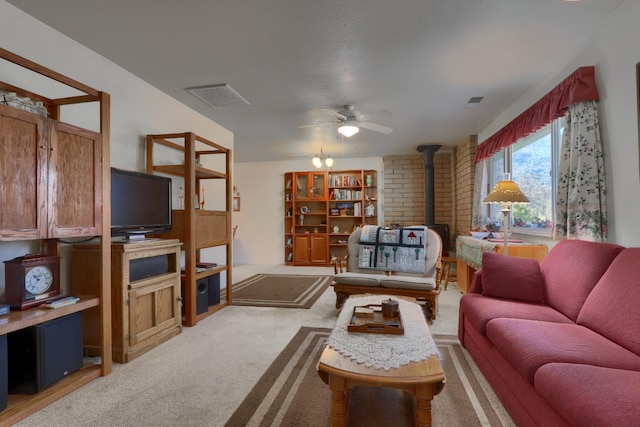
<point x="420" y="59"/>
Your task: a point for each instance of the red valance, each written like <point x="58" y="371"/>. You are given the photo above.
<point x="579" y="86"/>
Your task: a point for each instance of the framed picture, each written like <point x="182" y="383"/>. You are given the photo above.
<point x="334" y="212"/>
<point x="236" y="204"/>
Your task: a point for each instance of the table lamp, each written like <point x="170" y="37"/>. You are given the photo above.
<point x="506" y="193"/>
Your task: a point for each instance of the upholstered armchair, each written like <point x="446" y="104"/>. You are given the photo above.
<point x="353" y="276"/>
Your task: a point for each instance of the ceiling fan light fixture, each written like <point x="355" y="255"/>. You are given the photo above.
<point x="348" y="130"/>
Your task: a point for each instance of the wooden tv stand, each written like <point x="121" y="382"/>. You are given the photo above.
<point x="145" y="293"/>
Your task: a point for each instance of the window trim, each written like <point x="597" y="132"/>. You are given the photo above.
<point x="555" y="130"/>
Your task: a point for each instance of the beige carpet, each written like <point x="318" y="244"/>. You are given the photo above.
<point x="291" y="393"/>
<point x="277" y="290"/>
<point x="200" y="377"/>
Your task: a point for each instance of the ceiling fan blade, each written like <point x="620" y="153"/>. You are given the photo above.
<point x="375" y="127"/>
<point x="379" y="113"/>
<point x="335" y="113"/>
<point x="317" y="124"/>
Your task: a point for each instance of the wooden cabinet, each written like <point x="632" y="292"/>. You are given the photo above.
<point x="197" y="228"/>
<point x="145" y="293"/>
<point x="53" y="176"/>
<point x="52" y="186"/>
<point x="74" y="182"/>
<point x="23" y="189"/>
<point x="465" y="271"/>
<point x="310" y="186"/>
<point x="311" y="249"/>
<point x="325" y="207"/>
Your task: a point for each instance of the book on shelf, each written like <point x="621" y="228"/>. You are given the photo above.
<point x="206" y="264"/>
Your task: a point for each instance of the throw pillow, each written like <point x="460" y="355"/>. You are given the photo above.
<point x="512" y="278"/>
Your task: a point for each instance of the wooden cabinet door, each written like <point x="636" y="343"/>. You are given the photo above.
<point x="318" y="252"/>
<point x="75" y="182"/>
<point x="310" y="186"/>
<point x="301" y="246"/>
<point x="152" y="309"/>
<point x="310" y="249"/>
<point x="23" y="185"/>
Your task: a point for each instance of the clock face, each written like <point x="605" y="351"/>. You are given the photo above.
<point x="38" y="279"/>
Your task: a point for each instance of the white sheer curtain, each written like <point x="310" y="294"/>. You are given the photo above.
<point x="581" y="204"/>
<point x="479" y="211"/>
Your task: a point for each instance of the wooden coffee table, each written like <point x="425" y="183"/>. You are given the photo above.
<point x="423" y="379"/>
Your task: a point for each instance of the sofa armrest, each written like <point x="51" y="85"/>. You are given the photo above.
<point x="476" y="283"/>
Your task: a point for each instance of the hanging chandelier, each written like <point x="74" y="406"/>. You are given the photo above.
<point x="318" y="161"/>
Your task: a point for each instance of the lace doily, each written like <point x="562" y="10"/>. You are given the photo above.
<point x="384" y="351"/>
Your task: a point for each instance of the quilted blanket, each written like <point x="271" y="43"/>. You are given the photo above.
<point x="393" y="249"/>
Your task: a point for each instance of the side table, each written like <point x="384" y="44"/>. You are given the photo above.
<point x="469" y="256"/>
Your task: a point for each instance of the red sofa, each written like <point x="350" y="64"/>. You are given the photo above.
<point x="559" y="342"/>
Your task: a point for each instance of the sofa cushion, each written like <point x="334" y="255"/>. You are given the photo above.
<point x="571" y="269"/>
<point x="612" y="307"/>
<point x="479" y="310"/>
<point x="530" y="344"/>
<point x="591" y="395"/>
<point x="359" y="279"/>
<point x="512" y="278"/>
<point x="408" y="282"/>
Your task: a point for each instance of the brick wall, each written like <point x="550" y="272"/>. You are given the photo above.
<point x="404" y="192"/>
<point x="464" y="177"/>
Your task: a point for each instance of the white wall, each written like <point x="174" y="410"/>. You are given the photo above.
<point x="614" y="50"/>
<point x="260" y="234"/>
<point x="137" y="108"/>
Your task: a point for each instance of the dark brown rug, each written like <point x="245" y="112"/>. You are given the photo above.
<point x="284" y="291"/>
<point x="290" y="393"/>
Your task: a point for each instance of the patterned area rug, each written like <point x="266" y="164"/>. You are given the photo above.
<point x="290" y="393"/>
<point x="284" y="291"/>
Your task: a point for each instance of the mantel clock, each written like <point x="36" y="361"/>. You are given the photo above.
<point x="31" y="280"/>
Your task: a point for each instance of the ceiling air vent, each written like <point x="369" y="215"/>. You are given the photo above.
<point x="474" y="101"/>
<point x="220" y="95"/>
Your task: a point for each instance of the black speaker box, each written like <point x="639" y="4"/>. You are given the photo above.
<point x="43" y="354"/>
<point x="4" y="383"/>
<point x="202" y="295"/>
<point x="214" y="289"/>
<point x="142" y="268"/>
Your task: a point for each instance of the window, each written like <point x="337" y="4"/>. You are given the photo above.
<point x="533" y="164"/>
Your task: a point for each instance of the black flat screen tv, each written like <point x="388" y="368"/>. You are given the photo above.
<point x="140" y="204"/>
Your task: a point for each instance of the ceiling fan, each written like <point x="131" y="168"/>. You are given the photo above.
<point x="350" y="121"/>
